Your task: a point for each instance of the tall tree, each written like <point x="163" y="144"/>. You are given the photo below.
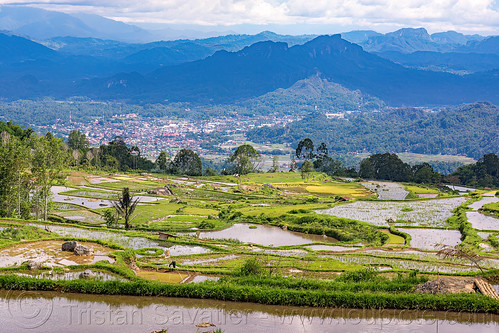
<point x="483" y="173"/>
<point x="118" y="155"/>
<point x="322" y="151"/>
<point x="306" y="168"/>
<point x="385" y="166"/>
<point x="14" y="164"/>
<point x="275" y="164"/>
<point x="125" y="206"/>
<point x="423" y="173"/>
<point x="162" y="161"/>
<point x="245" y="160"/>
<point x="49" y="157"/>
<point x="305" y="149"/>
<point x="78" y="141"/>
<point x="187" y="162"/>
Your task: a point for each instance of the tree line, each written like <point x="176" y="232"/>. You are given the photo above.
<point x="483" y="173"/>
<point x="30" y="165"/>
<point x="388" y="166"/>
<point x="471" y="130"/>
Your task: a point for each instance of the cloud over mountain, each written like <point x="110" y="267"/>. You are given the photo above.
<point x="464" y="15"/>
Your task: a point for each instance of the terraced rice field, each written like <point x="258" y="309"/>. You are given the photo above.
<point x="480" y="221"/>
<point x="386" y="190"/>
<point x="420" y="213"/>
<point x="431" y="239"/>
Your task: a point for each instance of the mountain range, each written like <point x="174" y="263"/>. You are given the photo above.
<point x="405" y="67"/>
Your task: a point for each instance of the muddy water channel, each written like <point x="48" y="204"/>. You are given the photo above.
<point x="264" y="235"/>
<point x="479" y="220"/>
<point x="131" y="242"/>
<point x="54" y="312"/>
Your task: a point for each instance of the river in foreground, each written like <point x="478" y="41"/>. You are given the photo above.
<point x="54" y="312"/>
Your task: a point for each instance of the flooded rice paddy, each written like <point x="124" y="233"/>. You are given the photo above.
<point x="418" y="213"/>
<point x="264" y="235"/>
<point x="431" y="239"/>
<point x="405" y="264"/>
<point x="49" y="253"/>
<point x="51" y="275"/>
<point x="202" y="278"/>
<point x="461" y="189"/>
<point x="206" y="261"/>
<point x="121" y="239"/>
<point x="49" y="312"/>
<point x="386" y="190"/>
<point x="91" y="203"/>
<point x="480" y="221"/>
<point x="331" y="248"/>
<point x="486" y="199"/>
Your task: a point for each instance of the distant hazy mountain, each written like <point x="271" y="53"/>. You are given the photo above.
<point x="359" y="36"/>
<point x="454" y="62"/>
<point x="410" y="40"/>
<point x="43" y="24"/>
<point x="454" y="38"/>
<point x="487" y="45"/>
<point x="206" y="71"/>
<point x="15" y="49"/>
<point x="227" y="77"/>
<point x="90" y="46"/>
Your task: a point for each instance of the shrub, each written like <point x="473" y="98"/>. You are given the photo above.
<point x="206" y="225"/>
<point x="493" y="241"/>
<point x="128" y="256"/>
<point x="251" y="266"/>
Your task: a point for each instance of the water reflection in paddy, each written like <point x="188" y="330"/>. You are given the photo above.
<point x="430" y="239"/>
<point x="481" y="221"/>
<point x="53" y="312"/>
<point x="70" y="276"/>
<point x="486" y="199"/>
<point x="332" y="248"/>
<point x="264" y="235"/>
<point x="118" y="238"/>
<point x="91" y="202"/>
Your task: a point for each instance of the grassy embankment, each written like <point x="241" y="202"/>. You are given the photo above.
<point x="386" y="295"/>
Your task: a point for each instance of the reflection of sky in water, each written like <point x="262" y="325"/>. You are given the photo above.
<point x="89" y="202"/>
<point x="131" y="242"/>
<point x="427" y="239"/>
<point x="485" y="200"/>
<point x="430" y="212"/>
<point x="482" y="222"/>
<point x="85" y="313"/>
<point x="264" y="235"/>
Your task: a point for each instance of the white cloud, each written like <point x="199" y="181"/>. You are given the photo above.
<point x="435" y="15"/>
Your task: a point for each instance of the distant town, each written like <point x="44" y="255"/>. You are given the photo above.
<point x="153" y="135"/>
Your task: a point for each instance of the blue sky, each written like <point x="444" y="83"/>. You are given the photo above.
<point x="293" y="16"/>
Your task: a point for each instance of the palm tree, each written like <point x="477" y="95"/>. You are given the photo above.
<point x="125" y="206"/>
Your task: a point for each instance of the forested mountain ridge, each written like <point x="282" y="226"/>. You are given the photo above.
<point x="471" y="130"/>
<point x="245" y="68"/>
<point x="263" y="67"/>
